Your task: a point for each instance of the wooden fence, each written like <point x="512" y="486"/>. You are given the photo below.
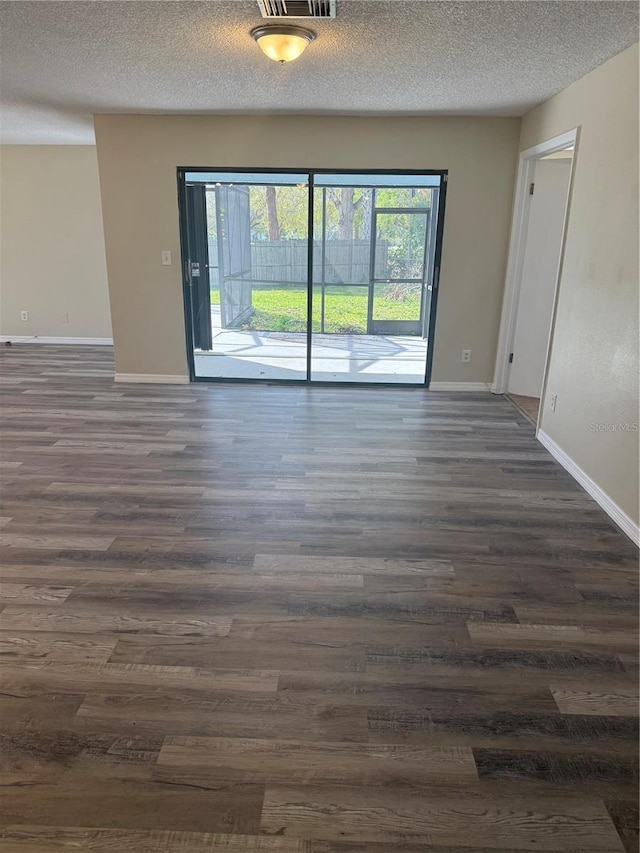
<point x="286" y="261"/>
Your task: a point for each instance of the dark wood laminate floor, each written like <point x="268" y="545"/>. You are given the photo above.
<point x="303" y="620"/>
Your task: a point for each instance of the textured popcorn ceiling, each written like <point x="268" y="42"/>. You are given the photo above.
<point x="64" y="61"/>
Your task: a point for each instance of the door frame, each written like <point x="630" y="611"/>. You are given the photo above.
<point x="517" y="246"/>
<point x="443" y="174"/>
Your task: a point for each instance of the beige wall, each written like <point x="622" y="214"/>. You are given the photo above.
<point x="138" y="157"/>
<point x="594" y="358"/>
<point x="52" y="259"/>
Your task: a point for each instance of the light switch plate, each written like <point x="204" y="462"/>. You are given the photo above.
<point x="166" y="258"/>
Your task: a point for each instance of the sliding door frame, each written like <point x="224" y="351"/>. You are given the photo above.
<point x="443" y="174"/>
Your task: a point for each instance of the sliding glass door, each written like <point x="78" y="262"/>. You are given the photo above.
<point x="371" y="276"/>
<point x="310" y="276"/>
<point x="251" y="279"/>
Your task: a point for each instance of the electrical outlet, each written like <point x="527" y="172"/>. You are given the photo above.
<point x="166" y="258"/>
<point x="466" y="356"/>
<point x="554" y="402"/>
<point x="64" y="317"/>
<point x="24" y="316"/>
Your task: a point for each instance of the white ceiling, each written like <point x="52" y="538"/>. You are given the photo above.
<point x="64" y="61"/>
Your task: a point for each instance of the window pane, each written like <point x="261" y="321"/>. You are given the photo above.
<point x="401" y="243"/>
<point x="397" y="301"/>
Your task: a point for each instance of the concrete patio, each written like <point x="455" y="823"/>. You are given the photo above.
<point x="238" y="354"/>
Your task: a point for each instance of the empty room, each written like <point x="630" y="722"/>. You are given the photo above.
<point x="319" y="415"/>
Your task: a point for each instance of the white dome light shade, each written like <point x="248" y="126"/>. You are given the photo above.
<point x="282" y="43"/>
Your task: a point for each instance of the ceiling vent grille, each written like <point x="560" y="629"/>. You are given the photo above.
<point x="297" y="8"/>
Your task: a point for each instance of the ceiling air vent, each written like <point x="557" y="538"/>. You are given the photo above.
<point x="297" y="8"/>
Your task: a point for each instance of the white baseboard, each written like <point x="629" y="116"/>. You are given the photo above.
<point x="615" y="513"/>
<point x="44" y="339"/>
<point x="153" y="378"/>
<point x="458" y="386"/>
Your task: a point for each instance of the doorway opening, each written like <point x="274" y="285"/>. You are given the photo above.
<point x="542" y="199"/>
<point x="311" y="276"/>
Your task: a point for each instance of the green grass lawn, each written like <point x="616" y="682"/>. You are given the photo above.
<point x="285" y="310"/>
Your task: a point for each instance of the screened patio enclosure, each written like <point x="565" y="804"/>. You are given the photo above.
<point x="311" y="276"/>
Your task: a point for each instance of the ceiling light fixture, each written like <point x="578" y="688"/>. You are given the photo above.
<point x="284" y="42"/>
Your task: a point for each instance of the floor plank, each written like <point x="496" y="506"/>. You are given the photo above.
<point x="394" y="816"/>
<point x="52" y="839"/>
<point x="288" y="762"/>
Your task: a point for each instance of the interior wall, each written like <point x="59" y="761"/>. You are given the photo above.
<point x="593" y="365"/>
<point x="52" y="262"/>
<point x="138" y="157"/>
